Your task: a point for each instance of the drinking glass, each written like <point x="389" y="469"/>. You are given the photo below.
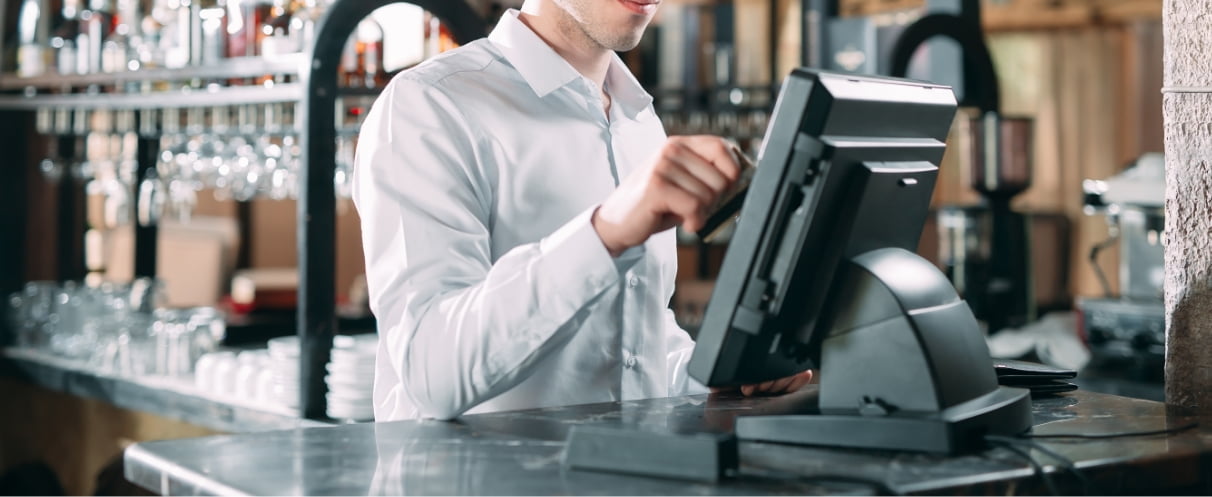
<point x="113" y="301"/>
<point x="169" y="332"/>
<point x="135" y="348"/>
<point x="38" y="300"/>
<point x="183" y="336"/>
<point x="16" y="317"/>
<point x="65" y="338"/>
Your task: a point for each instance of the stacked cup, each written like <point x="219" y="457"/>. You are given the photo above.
<point x="351" y="374"/>
<point x="284" y="371"/>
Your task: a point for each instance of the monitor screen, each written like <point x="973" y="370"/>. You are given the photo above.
<point x="848" y="166"/>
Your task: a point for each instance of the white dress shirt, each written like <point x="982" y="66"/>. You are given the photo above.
<point x="475" y="179"/>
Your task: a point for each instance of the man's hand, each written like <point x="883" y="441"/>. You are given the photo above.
<point x="774" y="387"/>
<point x="686" y="178"/>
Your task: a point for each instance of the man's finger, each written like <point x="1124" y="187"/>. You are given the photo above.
<point x="677" y="175"/>
<point x="702" y="167"/>
<point x="718" y="151"/>
<point x="765" y="386"/>
<point x="799" y="381"/>
<point x="780" y="385"/>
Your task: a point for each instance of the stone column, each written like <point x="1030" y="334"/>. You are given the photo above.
<point x="1187" y="109"/>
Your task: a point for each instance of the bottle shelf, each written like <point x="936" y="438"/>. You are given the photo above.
<point x="190" y="97"/>
<point x="244" y="67"/>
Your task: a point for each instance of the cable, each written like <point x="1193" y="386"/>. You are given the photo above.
<point x="1112" y="435"/>
<point x="1035" y="465"/>
<point x="1012" y="443"/>
<point x="1065" y="463"/>
<point x="1069" y="465"/>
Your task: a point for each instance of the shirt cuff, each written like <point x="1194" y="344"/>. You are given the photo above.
<point x="628" y="258"/>
<point x="577" y="258"/>
<point x="579" y="236"/>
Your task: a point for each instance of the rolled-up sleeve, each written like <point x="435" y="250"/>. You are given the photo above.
<point x="459" y="327"/>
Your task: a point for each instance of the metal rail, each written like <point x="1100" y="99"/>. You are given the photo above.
<point x="237" y="68"/>
<point x="190" y="97"/>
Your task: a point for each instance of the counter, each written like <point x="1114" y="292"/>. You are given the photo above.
<point x="519" y="453"/>
<point x="174" y="398"/>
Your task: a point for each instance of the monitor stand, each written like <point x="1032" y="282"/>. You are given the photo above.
<point x="904" y="366"/>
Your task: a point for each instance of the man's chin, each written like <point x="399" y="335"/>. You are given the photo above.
<point x="625" y="47"/>
<point x="625" y="44"/>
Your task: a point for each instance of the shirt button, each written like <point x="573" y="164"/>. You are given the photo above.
<point x="633" y="281"/>
<point x="630" y="362"/>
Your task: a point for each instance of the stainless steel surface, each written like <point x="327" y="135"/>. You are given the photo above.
<point x="1141" y="262"/>
<point x="1133" y="202"/>
<point x="169" y="397"/>
<point x="519" y="453"/>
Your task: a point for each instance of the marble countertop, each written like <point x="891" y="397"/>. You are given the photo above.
<point x="520" y="452"/>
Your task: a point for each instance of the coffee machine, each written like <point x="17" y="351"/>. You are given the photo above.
<point x="1127" y="332"/>
<point x="994" y="277"/>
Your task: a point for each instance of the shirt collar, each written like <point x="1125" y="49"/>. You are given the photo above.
<point x="545" y="70"/>
<point x="624" y="89"/>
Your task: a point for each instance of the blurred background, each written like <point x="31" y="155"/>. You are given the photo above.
<point x="164" y="158"/>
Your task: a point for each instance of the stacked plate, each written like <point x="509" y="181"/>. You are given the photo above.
<point x="351" y="375"/>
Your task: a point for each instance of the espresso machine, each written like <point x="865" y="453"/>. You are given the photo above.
<point x="1127" y="332"/>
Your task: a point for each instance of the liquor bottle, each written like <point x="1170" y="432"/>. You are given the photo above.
<point x="446" y="39"/>
<point x="438" y="37"/>
<point x="85" y="58"/>
<point x="244" y="21"/>
<point x="71" y="9"/>
<point x="278" y="39"/>
<point x="431" y="29"/>
<point x="209" y="40"/>
<point x="96" y="25"/>
<point x="369" y="48"/>
<point x="303" y="23"/>
<point x="63" y="46"/>
<point x="149" y="51"/>
<point x="349" y="68"/>
<point x="239" y="28"/>
<point x="33" y="33"/>
<point x="116" y="48"/>
<point x="177" y="32"/>
<point x="129" y="34"/>
<point x="63" y="41"/>
<point x="263" y="13"/>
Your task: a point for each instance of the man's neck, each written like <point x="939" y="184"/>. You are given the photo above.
<point x="554" y="27"/>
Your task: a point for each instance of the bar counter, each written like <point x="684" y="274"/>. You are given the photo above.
<point x="175" y="398"/>
<point x="515" y="453"/>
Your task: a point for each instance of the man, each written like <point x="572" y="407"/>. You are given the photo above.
<point x="517" y="197"/>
